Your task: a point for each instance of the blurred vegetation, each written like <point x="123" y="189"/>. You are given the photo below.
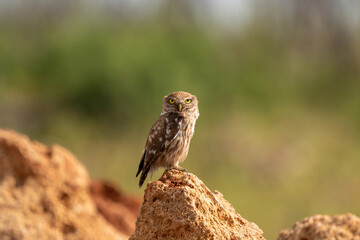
<point x="278" y="133"/>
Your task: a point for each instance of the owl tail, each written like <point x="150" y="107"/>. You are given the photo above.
<point x="143" y="170"/>
<point x="141" y="165"/>
<point x="144" y="175"/>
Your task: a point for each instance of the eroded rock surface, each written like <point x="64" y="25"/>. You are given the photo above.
<point x="321" y="227"/>
<point x="44" y="194"/>
<point x="180" y="206"/>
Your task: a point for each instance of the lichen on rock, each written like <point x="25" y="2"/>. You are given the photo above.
<point x="180" y="206"/>
<point x="321" y="227"/>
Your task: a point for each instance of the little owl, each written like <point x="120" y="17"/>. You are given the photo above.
<point x="169" y="138"/>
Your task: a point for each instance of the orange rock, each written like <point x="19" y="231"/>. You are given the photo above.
<point x="321" y="227"/>
<point x="116" y="207"/>
<point x="44" y="194"/>
<point x="180" y="206"/>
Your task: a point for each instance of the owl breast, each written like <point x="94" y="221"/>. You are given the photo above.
<point x="177" y="150"/>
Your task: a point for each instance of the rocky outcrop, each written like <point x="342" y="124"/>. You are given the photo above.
<point x="44" y="194"/>
<point x="180" y="206"/>
<point x="321" y="227"/>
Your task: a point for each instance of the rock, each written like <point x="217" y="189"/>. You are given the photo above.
<point x="180" y="206"/>
<point x="117" y="208"/>
<point x="44" y="194"/>
<point x="340" y="227"/>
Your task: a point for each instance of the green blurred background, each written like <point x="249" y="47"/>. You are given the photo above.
<point x="278" y="84"/>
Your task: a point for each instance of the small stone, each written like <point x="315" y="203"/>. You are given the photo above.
<point x="321" y="227"/>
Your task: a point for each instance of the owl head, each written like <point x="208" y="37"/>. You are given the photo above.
<point x="181" y="102"/>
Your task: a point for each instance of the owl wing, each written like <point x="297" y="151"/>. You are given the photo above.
<point x="163" y="132"/>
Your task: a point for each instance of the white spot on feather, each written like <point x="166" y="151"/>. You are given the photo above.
<point x="167" y="120"/>
<point x="160" y="139"/>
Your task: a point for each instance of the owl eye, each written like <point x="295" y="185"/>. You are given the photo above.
<point x="188" y="100"/>
<point x="171" y="101"/>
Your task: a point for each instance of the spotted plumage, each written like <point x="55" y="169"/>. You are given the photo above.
<point x="168" y="141"/>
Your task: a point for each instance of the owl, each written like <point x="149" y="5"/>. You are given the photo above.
<point x="168" y="141"/>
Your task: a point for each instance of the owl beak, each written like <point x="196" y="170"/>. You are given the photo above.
<point x="180" y="107"/>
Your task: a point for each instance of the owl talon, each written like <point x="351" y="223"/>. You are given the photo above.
<point x="177" y="168"/>
<point x="183" y="170"/>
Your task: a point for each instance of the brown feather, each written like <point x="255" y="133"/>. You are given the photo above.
<point x="169" y="138"/>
